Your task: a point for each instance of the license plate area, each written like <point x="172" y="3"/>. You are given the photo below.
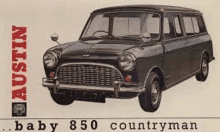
<point x="89" y="96"/>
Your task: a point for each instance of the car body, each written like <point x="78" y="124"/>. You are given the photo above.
<point x="129" y="51"/>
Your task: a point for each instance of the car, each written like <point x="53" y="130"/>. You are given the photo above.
<point x="129" y="51"/>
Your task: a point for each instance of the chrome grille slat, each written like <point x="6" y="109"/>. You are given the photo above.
<point x="86" y="74"/>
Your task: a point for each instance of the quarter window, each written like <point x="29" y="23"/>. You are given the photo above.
<point x="193" y="25"/>
<point x="179" y="32"/>
<point x="188" y="25"/>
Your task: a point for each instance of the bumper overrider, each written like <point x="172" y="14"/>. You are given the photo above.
<point x="118" y="88"/>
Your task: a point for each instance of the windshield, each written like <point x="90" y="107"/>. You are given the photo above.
<point x="122" y="25"/>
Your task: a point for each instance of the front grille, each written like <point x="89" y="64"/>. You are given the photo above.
<point x="87" y="74"/>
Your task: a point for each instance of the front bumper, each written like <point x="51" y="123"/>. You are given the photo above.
<point x="117" y="89"/>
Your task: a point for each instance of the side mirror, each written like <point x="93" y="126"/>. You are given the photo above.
<point x="54" y="37"/>
<point x="146" y="37"/>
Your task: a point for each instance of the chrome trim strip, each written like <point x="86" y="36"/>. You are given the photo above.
<point x="185" y="37"/>
<point x="150" y="10"/>
<point x="89" y="63"/>
<point x="184" y="12"/>
<point x="173" y="39"/>
<point x="84" y="87"/>
<point x="140" y="11"/>
<point x="97" y="88"/>
<point x="137" y="88"/>
<point x="194" y="35"/>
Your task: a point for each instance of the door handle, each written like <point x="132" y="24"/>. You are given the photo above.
<point x="187" y="42"/>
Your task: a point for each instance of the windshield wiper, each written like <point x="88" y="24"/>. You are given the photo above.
<point x="131" y="38"/>
<point x="92" y="38"/>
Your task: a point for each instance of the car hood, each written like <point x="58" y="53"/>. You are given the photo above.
<point x="95" y="49"/>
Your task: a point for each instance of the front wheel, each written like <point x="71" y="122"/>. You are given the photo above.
<point x="202" y="76"/>
<point x="62" y="99"/>
<point x="151" y="98"/>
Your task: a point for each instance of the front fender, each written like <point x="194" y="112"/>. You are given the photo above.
<point x="147" y="57"/>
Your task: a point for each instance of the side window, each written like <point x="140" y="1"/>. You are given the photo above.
<point x="201" y="24"/>
<point x="166" y="26"/>
<point x="188" y="25"/>
<point x="194" y="25"/>
<point x="152" y="25"/>
<point x="168" y="29"/>
<point x="177" y="26"/>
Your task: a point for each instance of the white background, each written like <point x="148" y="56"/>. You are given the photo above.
<point x="67" y="18"/>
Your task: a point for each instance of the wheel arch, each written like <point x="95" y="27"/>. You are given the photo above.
<point x="205" y="52"/>
<point x="160" y="74"/>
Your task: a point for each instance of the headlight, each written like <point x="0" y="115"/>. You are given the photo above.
<point x="50" y="59"/>
<point x="127" y="62"/>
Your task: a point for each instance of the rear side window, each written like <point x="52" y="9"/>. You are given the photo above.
<point x="193" y="25"/>
<point x="188" y="25"/>
<point x="177" y="26"/>
<point x="166" y="27"/>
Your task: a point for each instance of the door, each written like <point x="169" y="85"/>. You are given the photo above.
<point x="177" y="53"/>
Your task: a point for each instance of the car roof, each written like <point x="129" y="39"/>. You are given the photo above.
<point x="160" y="8"/>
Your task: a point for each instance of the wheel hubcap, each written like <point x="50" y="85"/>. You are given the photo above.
<point x="204" y="67"/>
<point x="155" y="92"/>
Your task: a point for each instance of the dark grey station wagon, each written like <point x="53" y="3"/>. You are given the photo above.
<point x="129" y="51"/>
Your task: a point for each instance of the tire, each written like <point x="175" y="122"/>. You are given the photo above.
<point x="151" y="98"/>
<point x="62" y="99"/>
<point x="202" y="76"/>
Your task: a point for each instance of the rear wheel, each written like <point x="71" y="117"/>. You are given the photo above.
<point x="151" y="98"/>
<point x="202" y="76"/>
<point x="62" y="99"/>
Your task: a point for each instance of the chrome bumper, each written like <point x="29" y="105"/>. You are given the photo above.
<point x="119" y="87"/>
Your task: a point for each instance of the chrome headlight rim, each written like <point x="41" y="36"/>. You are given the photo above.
<point x="55" y="59"/>
<point x="134" y="61"/>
